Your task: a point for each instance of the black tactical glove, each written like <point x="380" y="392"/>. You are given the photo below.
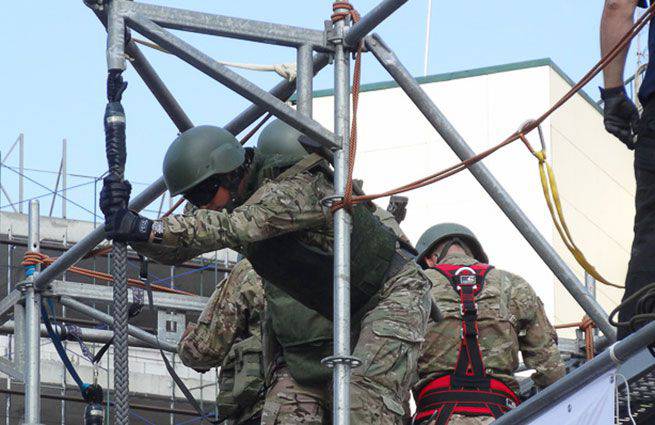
<point x="620" y="115"/>
<point x="115" y="195"/>
<point x="127" y="226"/>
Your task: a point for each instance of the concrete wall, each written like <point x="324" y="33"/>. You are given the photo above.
<point x="397" y="145"/>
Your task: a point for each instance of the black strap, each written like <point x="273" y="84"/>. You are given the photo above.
<point x="496" y="410"/>
<point x="469" y="370"/>
<point x="432" y="399"/>
<point x="445" y="413"/>
<point x="134" y="310"/>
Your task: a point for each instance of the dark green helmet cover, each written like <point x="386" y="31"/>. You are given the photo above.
<point x="437" y="233"/>
<point x="198" y="154"/>
<point x="280" y="138"/>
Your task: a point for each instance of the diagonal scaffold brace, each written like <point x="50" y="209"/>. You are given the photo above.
<point x="501" y="197"/>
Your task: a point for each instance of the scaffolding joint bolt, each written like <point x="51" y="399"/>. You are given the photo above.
<point x="333" y="34"/>
<point x="330" y="200"/>
<point x="332" y="361"/>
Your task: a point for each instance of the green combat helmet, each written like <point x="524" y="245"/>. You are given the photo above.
<point x="280" y="138"/>
<point x="435" y="234"/>
<point x="198" y="154"/>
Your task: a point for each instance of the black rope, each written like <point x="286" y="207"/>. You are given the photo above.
<point x="644" y="300"/>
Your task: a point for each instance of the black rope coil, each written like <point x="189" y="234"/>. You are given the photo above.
<point x="644" y="300"/>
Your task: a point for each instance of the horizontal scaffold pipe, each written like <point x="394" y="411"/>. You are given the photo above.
<point x="227" y="26"/>
<point x="105" y="318"/>
<point x="86" y="334"/>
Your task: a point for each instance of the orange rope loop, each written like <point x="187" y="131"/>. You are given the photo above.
<point x="339" y="15"/>
<point x="32" y="258"/>
<point x="347" y="201"/>
<point x="587" y="326"/>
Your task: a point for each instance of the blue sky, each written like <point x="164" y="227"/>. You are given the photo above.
<point x="53" y="71"/>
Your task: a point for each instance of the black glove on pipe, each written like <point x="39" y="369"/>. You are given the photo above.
<point x="620" y="115"/>
<point x="115" y="195"/>
<point x="127" y="226"/>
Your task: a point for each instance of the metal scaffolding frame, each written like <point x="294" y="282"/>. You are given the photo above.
<point x="336" y="42"/>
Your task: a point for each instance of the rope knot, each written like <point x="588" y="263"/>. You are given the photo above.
<point x="32" y="258"/>
<point x="339" y="14"/>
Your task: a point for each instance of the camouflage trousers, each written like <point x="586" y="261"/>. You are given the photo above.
<point x="389" y="346"/>
<point x="288" y="402"/>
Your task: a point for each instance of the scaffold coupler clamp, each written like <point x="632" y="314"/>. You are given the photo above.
<point x="96" y="5"/>
<point x="330" y="200"/>
<point x="331" y="361"/>
<point x="31" y="272"/>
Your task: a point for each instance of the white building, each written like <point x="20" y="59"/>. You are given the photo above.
<point x="594" y="171"/>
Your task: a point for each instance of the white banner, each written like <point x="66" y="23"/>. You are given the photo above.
<point x="591" y="405"/>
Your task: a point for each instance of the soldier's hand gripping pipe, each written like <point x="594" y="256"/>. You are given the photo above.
<point x="122" y="224"/>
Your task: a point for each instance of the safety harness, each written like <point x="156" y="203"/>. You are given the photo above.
<point x="468" y="390"/>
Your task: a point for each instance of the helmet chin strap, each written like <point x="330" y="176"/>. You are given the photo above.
<point x="232" y="182"/>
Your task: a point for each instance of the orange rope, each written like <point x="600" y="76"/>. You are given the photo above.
<point x="587" y="326"/>
<point x="593" y="72"/>
<point x="347" y="201"/>
<point x="32" y="258"/>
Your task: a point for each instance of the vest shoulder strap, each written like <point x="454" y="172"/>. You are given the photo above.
<point x="305" y="164"/>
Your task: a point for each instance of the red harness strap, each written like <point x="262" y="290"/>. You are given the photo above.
<point x="468" y="390"/>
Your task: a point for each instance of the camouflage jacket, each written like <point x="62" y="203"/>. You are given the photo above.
<point x="233" y="313"/>
<point x="511" y="318"/>
<point x="273" y="208"/>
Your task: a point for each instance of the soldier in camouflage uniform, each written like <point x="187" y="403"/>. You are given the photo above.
<point x="269" y="208"/>
<point x="510" y="318"/>
<point x="228" y="329"/>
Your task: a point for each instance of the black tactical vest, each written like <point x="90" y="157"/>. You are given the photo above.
<point x="305" y="336"/>
<point x="306" y="273"/>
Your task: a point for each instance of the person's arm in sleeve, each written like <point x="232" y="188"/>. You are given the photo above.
<point x="620" y="115"/>
<point x="537" y="337"/>
<point x="226" y="317"/>
<point x="168" y="255"/>
<point x="275" y="209"/>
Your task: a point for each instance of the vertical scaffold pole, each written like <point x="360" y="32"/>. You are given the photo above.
<point x="32" y="326"/>
<point x="116" y="153"/>
<point x="21" y="170"/>
<point x="304" y="79"/>
<point x="64" y="181"/>
<point x="342" y="229"/>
